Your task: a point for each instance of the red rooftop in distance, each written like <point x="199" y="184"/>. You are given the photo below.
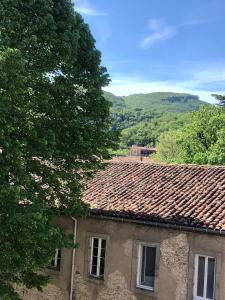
<point x="142" y="151"/>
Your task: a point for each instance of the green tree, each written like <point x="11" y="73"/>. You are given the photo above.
<point x="54" y="129"/>
<point x="167" y="148"/>
<point x="148" y="133"/>
<point x="203" y="141"/>
<point x="221" y="99"/>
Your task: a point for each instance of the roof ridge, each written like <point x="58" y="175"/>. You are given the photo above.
<point x="166" y="164"/>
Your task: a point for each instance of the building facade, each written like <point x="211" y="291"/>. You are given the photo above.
<point x="142" y="262"/>
<point x="155" y="232"/>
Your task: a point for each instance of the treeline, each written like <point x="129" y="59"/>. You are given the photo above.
<point x="127" y="118"/>
<point x="142" y="118"/>
<point x="183" y="128"/>
<point x="202" y="141"/>
<point x="147" y="133"/>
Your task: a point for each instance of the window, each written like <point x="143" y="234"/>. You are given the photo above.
<point x="97" y="265"/>
<point x="56" y="261"/>
<point x="204" y="282"/>
<point x="146" y="267"/>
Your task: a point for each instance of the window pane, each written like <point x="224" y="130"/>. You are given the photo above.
<point x="102" y="259"/>
<point x="210" y="278"/>
<point x="103" y="244"/>
<point x="103" y="253"/>
<point x="94" y="260"/>
<point x="95" y="247"/>
<point x="95" y="243"/>
<point x="143" y="265"/>
<point x="59" y="259"/>
<point x="148" y="266"/>
<point x="103" y="248"/>
<point x="94" y="270"/>
<point x="201" y="273"/>
<point x="102" y="267"/>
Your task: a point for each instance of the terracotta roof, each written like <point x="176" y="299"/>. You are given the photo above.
<point x="184" y="195"/>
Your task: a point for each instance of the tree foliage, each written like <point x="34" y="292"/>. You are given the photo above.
<point x="141" y="118"/>
<point x="221" y="99"/>
<point x="168" y="149"/>
<point x="148" y="133"/>
<point x="202" y="141"/>
<point x="54" y="125"/>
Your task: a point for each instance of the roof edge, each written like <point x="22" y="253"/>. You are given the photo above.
<point x="157" y="224"/>
<point x="204" y="166"/>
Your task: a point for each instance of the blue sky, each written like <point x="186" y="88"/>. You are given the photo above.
<point x="160" y="45"/>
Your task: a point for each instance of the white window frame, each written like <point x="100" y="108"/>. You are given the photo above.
<point x="205" y="277"/>
<point x="98" y="256"/>
<point x="140" y="252"/>
<point x="55" y="261"/>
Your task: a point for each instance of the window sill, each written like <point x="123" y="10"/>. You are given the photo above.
<point x="144" y="287"/>
<point x="145" y="291"/>
<point x="200" y="298"/>
<point x="95" y="279"/>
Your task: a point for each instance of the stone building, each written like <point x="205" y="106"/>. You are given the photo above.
<point x="142" y="151"/>
<point x="155" y="232"/>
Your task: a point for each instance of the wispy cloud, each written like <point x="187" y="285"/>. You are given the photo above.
<point x="159" y="30"/>
<point x="85" y="8"/>
<point x="209" y="76"/>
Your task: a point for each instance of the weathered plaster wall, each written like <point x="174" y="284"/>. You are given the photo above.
<point x="116" y="288"/>
<point x="174" y="265"/>
<point x="174" y="256"/>
<point x="51" y="292"/>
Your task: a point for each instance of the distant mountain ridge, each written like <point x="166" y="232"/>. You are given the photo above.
<point x="161" y="102"/>
<point x="142" y="118"/>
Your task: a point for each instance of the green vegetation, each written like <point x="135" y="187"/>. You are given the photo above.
<point x="142" y="118"/>
<point x="200" y="142"/>
<point x="117" y="102"/>
<point x="167" y="149"/>
<point x="148" y="133"/>
<point x="54" y="122"/>
<point x="163" y="102"/>
<point x="184" y="129"/>
<point x="120" y="152"/>
<point x="221" y="99"/>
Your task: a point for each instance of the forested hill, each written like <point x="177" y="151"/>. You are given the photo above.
<point x="142" y="118"/>
<point x="158" y="102"/>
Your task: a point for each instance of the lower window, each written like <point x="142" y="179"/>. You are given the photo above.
<point x="204" y="281"/>
<point x="146" y="267"/>
<point x="56" y="261"/>
<point x="97" y="263"/>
